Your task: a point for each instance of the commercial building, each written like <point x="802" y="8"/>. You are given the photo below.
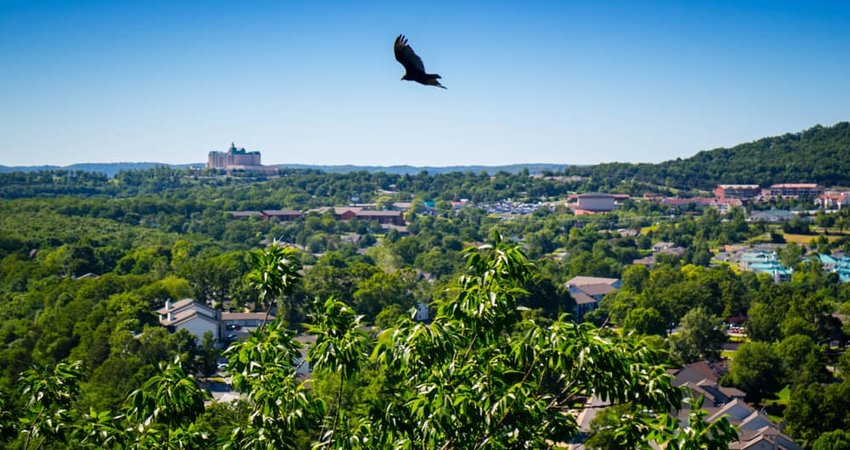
<point x="594" y="203"/>
<point x="796" y="190"/>
<point x="739" y="191"/>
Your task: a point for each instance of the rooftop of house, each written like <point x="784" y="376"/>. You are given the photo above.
<point x="736" y="411"/>
<point x="583" y="281"/>
<point x="379" y="213"/>
<point x="175" y="306"/>
<point x="647" y="261"/>
<point x="695" y="373"/>
<point x="738" y="186"/>
<point x="184" y="316"/>
<point x="583" y="299"/>
<point x="767" y="437"/>
<point x="281" y="212"/>
<point x="187" y="304"/>
<point x="794" y="186"/>
<point x="231" y="316"/>
<point x="597" y="289"/>
<point x="245" y="213"/>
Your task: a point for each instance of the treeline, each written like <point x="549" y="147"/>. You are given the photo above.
<point x="301" y="189"/>
<point x="817" y="155"/>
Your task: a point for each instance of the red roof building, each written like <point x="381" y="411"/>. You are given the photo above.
<point x="796" y="190"/>
<point x="739" y="191"/>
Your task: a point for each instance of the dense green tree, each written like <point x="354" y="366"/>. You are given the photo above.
<point x="645" y="321"/>
<point x="805" y="363"/>
<point x="757" y="370"/>
<point x="815" y="409"/>
<point x="833" y="440"/>
<point x="699" y="338"/>
<point x="763" y="323"/>
<point x="791" y="255"/>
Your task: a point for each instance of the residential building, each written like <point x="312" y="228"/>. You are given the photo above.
<point x="587" y="292"/>
<point x="770" y="216"/>
<point x="423" y="312"/>
<point x="833" y="199"/>
<point x="194" y="317"/>
<point x="756" y="430"/>
<point x="282" y="215"/>
<point x="245" y="320"/>
<point x="243" y="214"/>
<point x="668" y="248"/>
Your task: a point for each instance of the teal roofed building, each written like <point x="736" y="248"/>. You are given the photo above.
<point x="766" y="262"/>
<point x="839" y="264"/>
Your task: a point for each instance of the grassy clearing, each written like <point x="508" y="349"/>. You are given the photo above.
<point x="760" y="239"/>
<point x="739" y="338"/>
<point x="646" y="230"/>
<point x="800" y="239"/>
<point x="831" y="231"/>
<point x="775" y="408"/>
<point x="727" y="354"/>
<point x="805" y="239"/>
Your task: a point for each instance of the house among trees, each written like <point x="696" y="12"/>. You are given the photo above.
<point x="283" y="215"/>
<point x="833" y="199"/>
<point x="242" y="319"/>
<point x="194" y="317"/>
<point x="756" y="430"/>
<point x="589" y="291"/>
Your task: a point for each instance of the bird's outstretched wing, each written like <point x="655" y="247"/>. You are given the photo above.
<point x="406" y="56"/>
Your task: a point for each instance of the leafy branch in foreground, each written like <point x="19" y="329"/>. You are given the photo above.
<point x="479" y="376"/>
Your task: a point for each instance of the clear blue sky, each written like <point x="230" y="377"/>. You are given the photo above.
<point x="315" y="82"/>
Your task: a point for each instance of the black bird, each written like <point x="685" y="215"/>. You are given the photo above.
<point x="414" y="69"/>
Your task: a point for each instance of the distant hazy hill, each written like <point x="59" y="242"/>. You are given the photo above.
<point x="402" y="170"/>
<point x="111" y="169"/>
<point x="817" y="155"/>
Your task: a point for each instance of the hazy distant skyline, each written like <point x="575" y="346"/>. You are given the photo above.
<point x="316" y="83"/>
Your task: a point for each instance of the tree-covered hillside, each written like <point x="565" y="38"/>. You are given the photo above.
<point x="817" y="155"/>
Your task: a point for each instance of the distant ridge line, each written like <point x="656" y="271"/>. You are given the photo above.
<point x="111" y="169"/>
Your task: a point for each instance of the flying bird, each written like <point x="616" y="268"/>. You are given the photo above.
<point x="414" y="69"/>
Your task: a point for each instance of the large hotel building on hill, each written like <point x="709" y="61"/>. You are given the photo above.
<point x="234" y="159"/>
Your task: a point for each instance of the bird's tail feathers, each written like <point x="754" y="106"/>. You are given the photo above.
<point x="432" y="81"/>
